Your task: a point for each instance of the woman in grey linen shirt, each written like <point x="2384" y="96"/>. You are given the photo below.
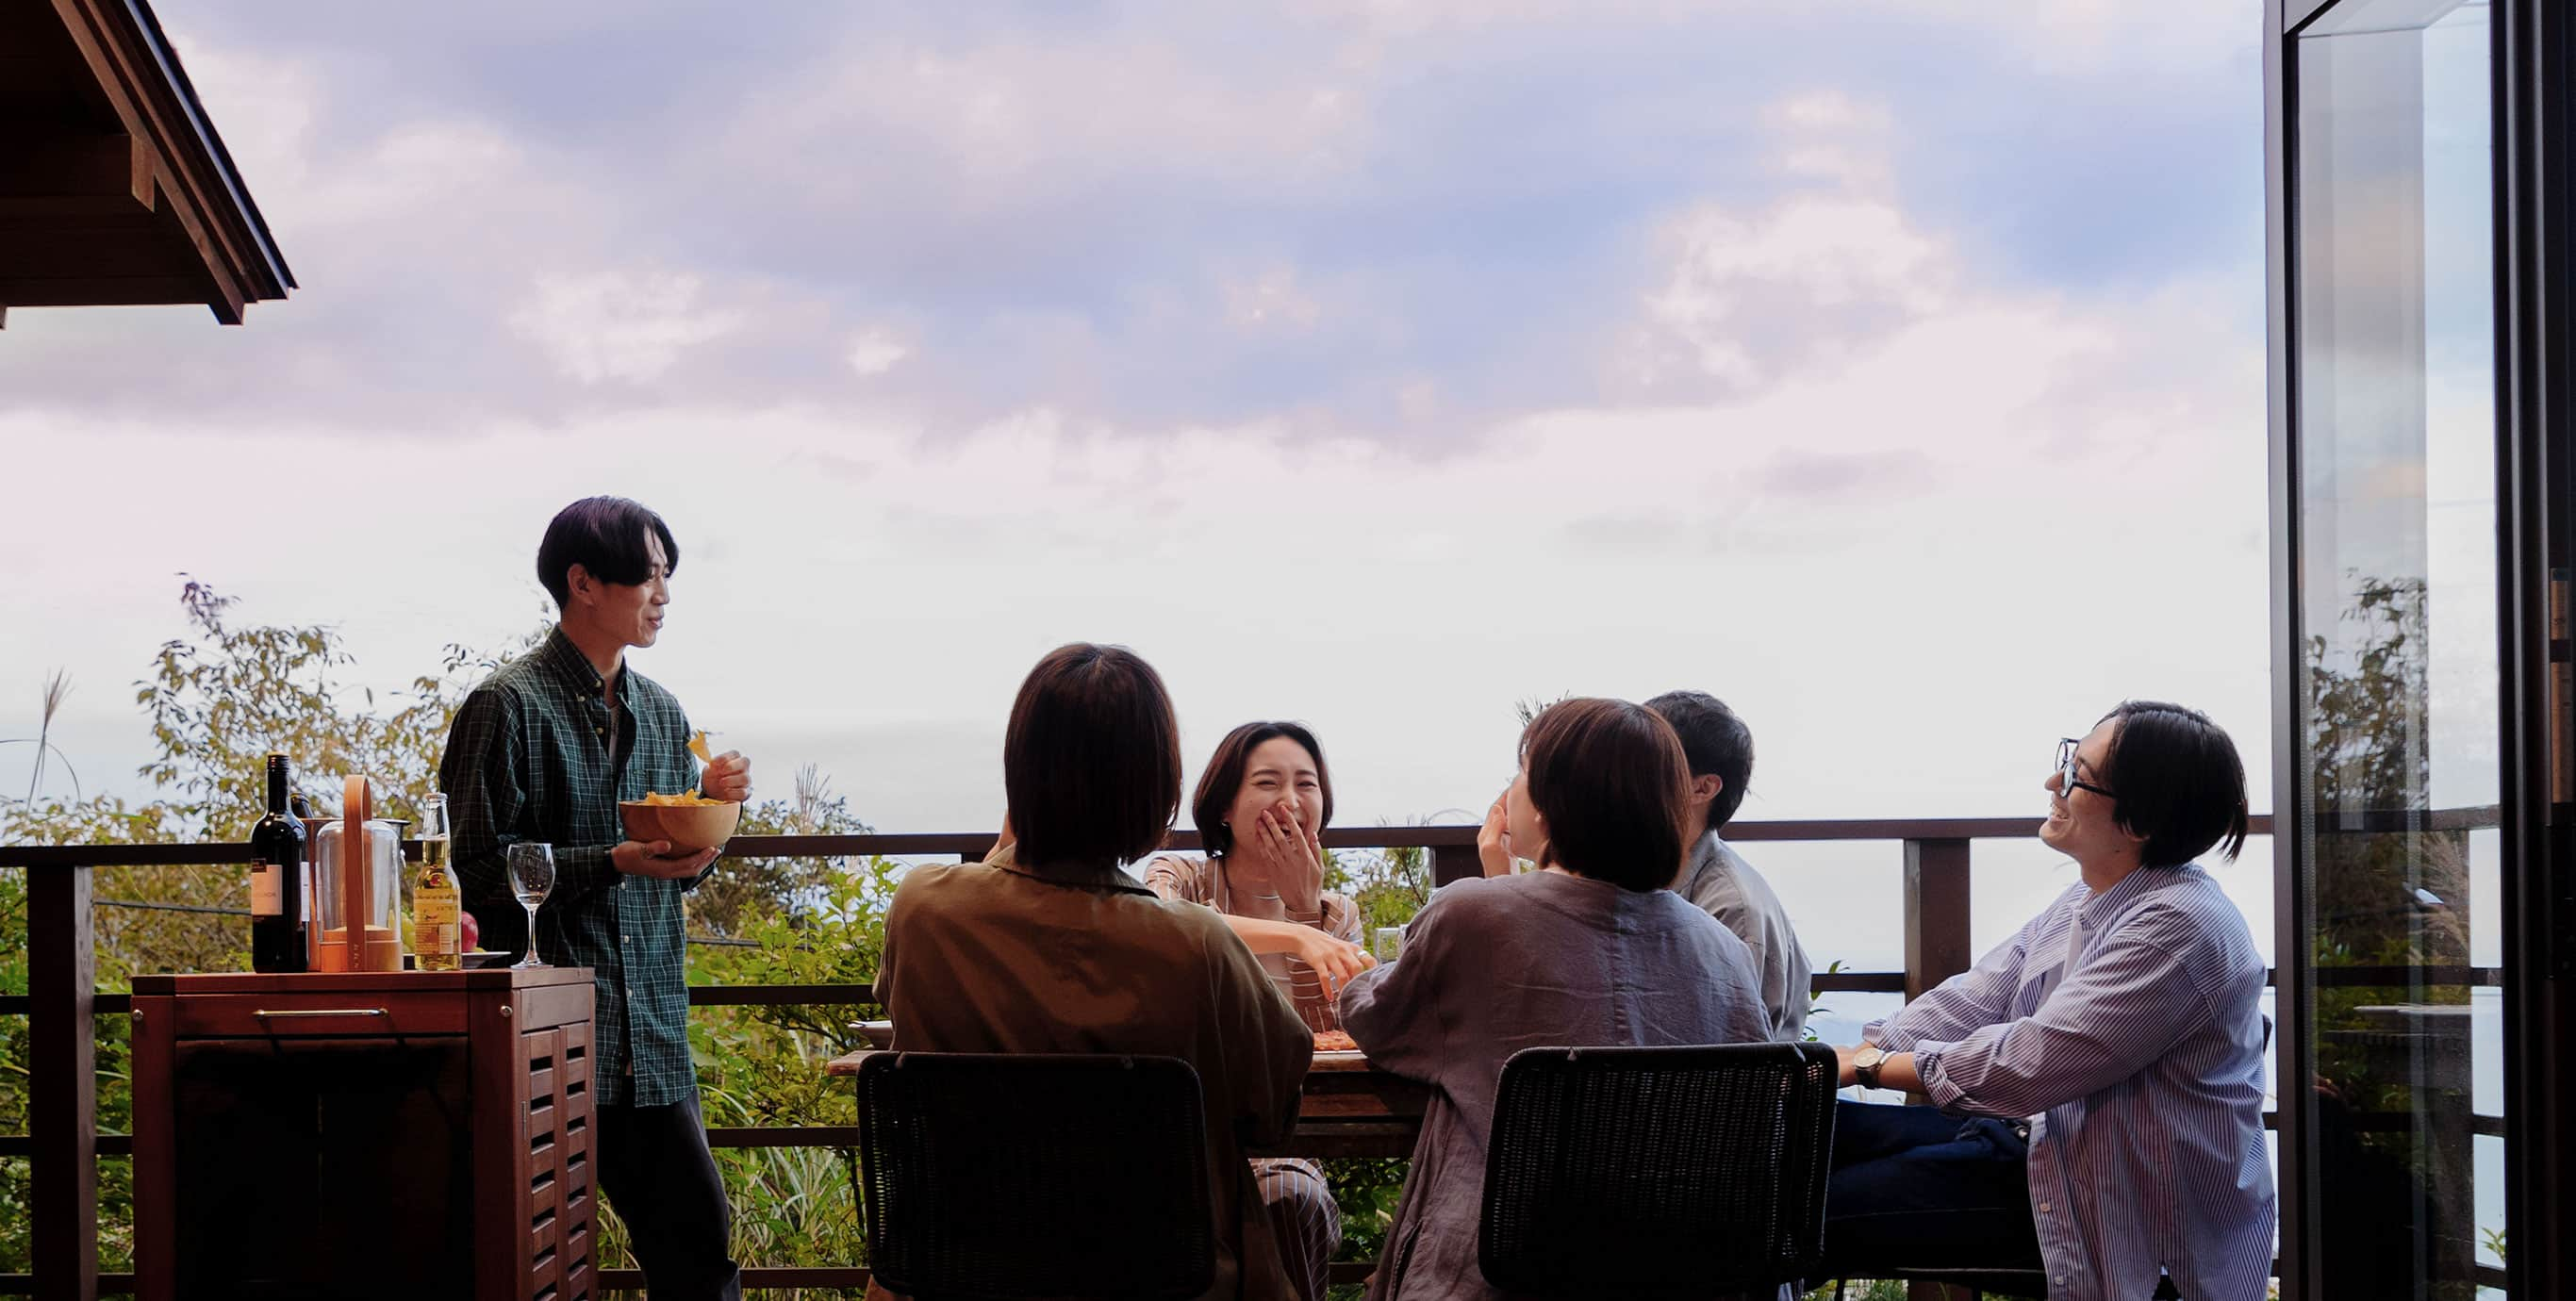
<point x="1592" y="949"/>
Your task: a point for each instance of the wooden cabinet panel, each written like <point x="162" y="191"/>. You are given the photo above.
<point x="409" y="1135"/>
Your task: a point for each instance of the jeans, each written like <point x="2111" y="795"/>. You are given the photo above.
<point x="1917" y="1187"/>
<point x="656" y="1169"/>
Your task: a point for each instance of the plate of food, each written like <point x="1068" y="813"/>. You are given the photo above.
<point x="1334" y="1041"/>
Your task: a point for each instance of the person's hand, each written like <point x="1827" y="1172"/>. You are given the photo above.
<point x="1494" y="839"/>
<point x="654" y="858"/>
<point x="1283" y="853"/>
<point x="728" y="777"/>
<point x="1843" y="1062"/>
<point x="1335" y="960"/>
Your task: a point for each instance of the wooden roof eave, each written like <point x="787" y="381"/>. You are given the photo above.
<point x="149" y="210"/>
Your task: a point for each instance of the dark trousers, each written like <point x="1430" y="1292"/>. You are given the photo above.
<point x="656" y="1169"/>
<point x="1917" y="1187"/>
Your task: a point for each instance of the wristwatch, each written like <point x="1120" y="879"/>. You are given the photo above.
<point x="1865" y="1064"/>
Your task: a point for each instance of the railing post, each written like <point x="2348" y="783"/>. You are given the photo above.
<point x="1936" y="942"/>
<point x="62" y="1112"/>
<point x="1936" y="914"/>
<point x="1454" y="863"/>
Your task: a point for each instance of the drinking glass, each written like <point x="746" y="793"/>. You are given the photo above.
<point x="1388" y="943"/>
<point x="532" y="877"/>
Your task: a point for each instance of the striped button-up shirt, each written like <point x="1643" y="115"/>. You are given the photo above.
<point x="1197" y="880"/>
<point x="2126" y="1026"/>
<point x="537" y="755"/>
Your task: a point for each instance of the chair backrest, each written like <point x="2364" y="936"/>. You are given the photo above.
<point x="1658" y="1171"/>
<point x="1003" y="1176"/>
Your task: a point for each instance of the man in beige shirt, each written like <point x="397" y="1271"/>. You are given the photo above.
<point x="1720" y="749"/>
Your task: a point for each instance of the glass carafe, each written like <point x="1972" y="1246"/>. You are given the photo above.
<point x="370" y="898"/>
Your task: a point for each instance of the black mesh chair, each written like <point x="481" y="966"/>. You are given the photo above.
<point x="1652" y="1172"/>
<point x="996" y="1177"/>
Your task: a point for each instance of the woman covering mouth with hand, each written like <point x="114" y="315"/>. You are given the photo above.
<point x="1261" y="808"/>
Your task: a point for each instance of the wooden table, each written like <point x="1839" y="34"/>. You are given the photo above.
<point x="385" y="1134"/>
<point x="1349" y="1107"/>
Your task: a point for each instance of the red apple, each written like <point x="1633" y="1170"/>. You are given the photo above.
<point x="471" y="935"/>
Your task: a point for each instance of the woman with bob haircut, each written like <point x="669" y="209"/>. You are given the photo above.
<point x="1049" y="946"/>
<point x="1592" y="949"/>
<point x="2103" y="1068"/>
<point x="1261" y="809"/>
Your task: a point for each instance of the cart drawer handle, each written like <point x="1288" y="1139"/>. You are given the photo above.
<point x="265" y="1014"/>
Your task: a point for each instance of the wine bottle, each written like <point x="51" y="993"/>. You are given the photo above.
<point x="438" y="938"/>
<point x="281" y="907"/>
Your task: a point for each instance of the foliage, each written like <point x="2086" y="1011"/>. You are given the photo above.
<point x="58" y="688"/>
<point x="1816" y="1001"/>
<point x="219" y="700"/>
<point x="1387" y="885"/>
<point x="2368" y="692"/>
<point x="1531" y="708"/>
<point x="1862" y="1290"/>
<point x="747" y="891"/>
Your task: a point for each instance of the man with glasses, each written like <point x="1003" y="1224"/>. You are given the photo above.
<point x="2100" y="1075"/>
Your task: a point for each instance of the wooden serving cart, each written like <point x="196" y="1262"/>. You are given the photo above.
<point x="378" y="1134"/>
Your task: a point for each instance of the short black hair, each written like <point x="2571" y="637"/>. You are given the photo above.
<point x="1224" y="779"/>
<point x="2177" y="780"/>
<point x="1091" y="761"/>
<point x="1716" y="742"/>
<point x="604" y="535"/>
<point x="1611" y="780"/>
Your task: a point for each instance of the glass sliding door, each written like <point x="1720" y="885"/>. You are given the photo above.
<point x="2393" y="935"/>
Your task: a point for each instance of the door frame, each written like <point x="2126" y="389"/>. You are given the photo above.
<point x="2535" y="240"/>
<point x="2535" y="243"/>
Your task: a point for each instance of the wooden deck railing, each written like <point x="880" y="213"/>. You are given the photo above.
<point x="63" y="1004"/>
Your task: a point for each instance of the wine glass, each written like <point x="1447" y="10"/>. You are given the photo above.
<point x="532" y="877"/>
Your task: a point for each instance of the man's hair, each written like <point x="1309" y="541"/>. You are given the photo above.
<point x="604" y="535"/>
<point x="1614" y="786"/>
<point x="1717" y="742"/>
<point x="1225" y="773"/>
<point x="1091" y="761"/>
<point x="2175" y="779"/>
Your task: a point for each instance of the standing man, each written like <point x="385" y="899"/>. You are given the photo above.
<point x="1720" y="749"/>
<point x="543" y="751"/>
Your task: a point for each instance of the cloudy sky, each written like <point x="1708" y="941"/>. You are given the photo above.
<point x="1892" y="368"/>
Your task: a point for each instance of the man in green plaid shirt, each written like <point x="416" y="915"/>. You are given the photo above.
<point x="542" y="752"/>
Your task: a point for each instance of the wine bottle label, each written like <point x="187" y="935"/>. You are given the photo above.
<point x="267" y="890"/>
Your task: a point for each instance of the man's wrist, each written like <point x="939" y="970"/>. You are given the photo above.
<point x="1866" y="1064"/>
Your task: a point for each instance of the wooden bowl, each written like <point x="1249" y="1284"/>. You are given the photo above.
<point x="689" y="827"/>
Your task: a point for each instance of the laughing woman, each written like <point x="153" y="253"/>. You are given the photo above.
<point x="1261" y="808"/>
